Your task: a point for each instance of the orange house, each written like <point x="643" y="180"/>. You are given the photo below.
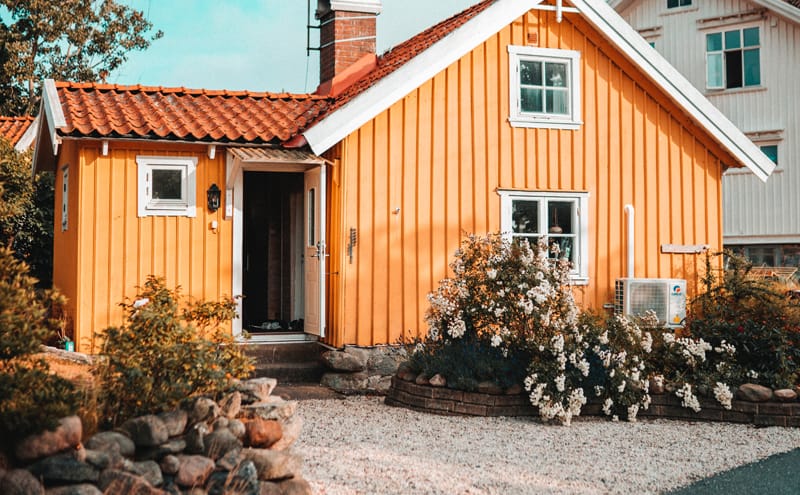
<point x="339" y="211"/>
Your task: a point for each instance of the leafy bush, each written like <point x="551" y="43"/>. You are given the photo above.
<point x="160" y="357"/>
<point x="753" y="316"/>
<point x="31" y="399"/>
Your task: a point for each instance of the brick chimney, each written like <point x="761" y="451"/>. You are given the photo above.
<point x="347" y="34"/>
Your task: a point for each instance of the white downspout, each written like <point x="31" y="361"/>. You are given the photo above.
<point x="631" y="240"/>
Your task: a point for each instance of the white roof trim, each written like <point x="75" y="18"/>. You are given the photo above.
<point x="779" y="7"/>
<point x="383" y="94"/>
<point x="677" y="87"/>
<point x="53" y="112"/>
<point x="28" y="136"/>
<point x="345" y="120"/>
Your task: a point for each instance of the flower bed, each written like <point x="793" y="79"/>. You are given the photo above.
<point x="438" y="400"/>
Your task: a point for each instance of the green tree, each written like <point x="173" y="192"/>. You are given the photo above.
<point x="26" y="212"/>
<point x="78" y="40"/>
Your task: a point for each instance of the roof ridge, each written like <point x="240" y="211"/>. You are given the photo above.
<point x="138" y="88"/>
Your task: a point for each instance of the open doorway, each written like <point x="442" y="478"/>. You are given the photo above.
<point x="273" y="249"/>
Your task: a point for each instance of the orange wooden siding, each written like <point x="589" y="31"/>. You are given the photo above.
<point x="441" y="153"/>
<point x="107" y="250"/>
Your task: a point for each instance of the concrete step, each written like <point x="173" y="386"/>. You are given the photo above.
<point x="296" y="362"/>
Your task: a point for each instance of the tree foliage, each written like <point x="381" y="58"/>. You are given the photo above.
<point x="31" y="399"/>
<point x="26" y="212"/>
<point x="78" y="40"/>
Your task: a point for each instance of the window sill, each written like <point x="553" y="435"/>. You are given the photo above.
<point x="545" y="124"/>
<point x="577" y="280"/>
<point x="680" y="10"/>
<point x="734" y="91"/>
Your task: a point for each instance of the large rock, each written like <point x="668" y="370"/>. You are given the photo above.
<point x="111" y="441"/>
<point x="82" y="489"/>
<point x="194" y="470"/>
<point x="242" y="480"/>
<point x="19" y="482"/>
<point x="438" y="380"/>
<point x="256" y="389"/>
<point x="149" y="470"/>
<point x="175" y="446"/>
<point x="345" y="382"/>
<point x="175" y="421"/>
<point x="382" y="364"/>
<point x="379" y="383"/>
<point x="272" y="465"/>
<point x="295" y="486"/>
<point x="67" y="435"/>
<point x="220" y="442"/>
<point x="194" y="438"/>
<point x="262" y="433"/>
<point x="203" y="409"/>
<point x="122" y="482"/>
<point x="63" y="469"/>
<point x="278" y="410"/>
<point x="146" y="431"/>
<point x="343" y="361"/>
<point x="290" y="430"/>
<point x="754" y="393"/>
<point x="231" y="404"/>
<point x="786" y="395"/>
<point x="102" y="459"/>
<point x="237" y="428"/>
<point x="169" y="465"/>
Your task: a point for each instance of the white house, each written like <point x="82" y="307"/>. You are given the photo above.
<point x="744" y="56"/>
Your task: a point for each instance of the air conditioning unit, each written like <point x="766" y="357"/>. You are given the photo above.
<point x="665" y="296"/>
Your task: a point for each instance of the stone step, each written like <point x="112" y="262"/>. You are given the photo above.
<point x="295" y="362"/>
<point x="290" y="372"/>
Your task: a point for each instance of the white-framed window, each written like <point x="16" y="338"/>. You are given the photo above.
<point x="733" y="58"/>
<point x="561" y="218"/>
<point x="544" y="87"/>
<point x="64" y="198"/>
<point x="674" y="4"/>
<point x="167" y="186"/>
<point x="771" y="150"/>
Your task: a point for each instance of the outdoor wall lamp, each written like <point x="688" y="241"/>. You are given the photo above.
<point x="213" y="194"/>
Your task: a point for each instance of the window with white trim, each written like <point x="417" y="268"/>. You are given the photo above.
<point x="733" y="58"/>
<point x="544" y="87"/>
<point x="771" y="150"/>
<point x="560" y="218"/>
<point x="167" y="186"/>
<point x="674" y="4"/>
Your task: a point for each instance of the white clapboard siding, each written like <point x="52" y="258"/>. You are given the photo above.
<point x="754" y="212"/>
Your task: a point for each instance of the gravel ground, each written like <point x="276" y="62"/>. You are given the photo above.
<point x="361" y="446"/>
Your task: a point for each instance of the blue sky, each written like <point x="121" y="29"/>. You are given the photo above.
<point x="259" y="45"/>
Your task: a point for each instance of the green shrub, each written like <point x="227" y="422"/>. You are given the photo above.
<point x="31" y="399"/>
<point x="160" y="357"/>
<point x="753" y="316"/>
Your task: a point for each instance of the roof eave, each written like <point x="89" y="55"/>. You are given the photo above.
<point x="781" y="8"/>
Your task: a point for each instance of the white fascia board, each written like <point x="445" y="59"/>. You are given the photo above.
<point x="781" y="8"/>
<point x="53" y="112"/>
<point x="365" y="6"/>
<point x="27" y="137"/>
<point x="384" y="93"/>
<point x="638" y="51"/>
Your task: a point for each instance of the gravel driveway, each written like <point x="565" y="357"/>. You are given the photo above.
<point x="361" y="446"/>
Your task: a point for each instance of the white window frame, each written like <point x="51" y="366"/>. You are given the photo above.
<point x="579" y="274"/>
<point x="720" y="54"/>
<point x="64" y="198"/>
<point x="517" y="117"/>
<point x="148" y="206"/>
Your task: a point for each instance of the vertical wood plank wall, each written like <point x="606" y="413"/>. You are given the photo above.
<point x="440" y="154"/>
<point x="107" y="250"/>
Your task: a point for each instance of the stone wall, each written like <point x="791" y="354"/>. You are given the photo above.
<point x="439" y="400"/>
<point x="362" y="369"/>
<point x="239" y="445"/>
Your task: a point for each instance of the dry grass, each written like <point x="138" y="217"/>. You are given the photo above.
<point x="80" y="374"/>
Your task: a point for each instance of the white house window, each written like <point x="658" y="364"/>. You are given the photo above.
<point x="560" y="218"/>
<point x="674" y="4"/>
<point x="733" y="59"/>
<point x="64" y="198"/>
<point x="544" y="87"/>
<point x="167" y="186"/>
<point x="771" y="150"/>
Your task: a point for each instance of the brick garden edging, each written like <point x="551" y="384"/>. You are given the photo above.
<point x="439" y="400"/>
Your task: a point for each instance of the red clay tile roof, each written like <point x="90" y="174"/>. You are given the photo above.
<point x="115" y="111"/>
<point x="401" y="54"/>
<point x="12" y="128"/>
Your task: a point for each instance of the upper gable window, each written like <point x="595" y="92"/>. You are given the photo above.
<point x="167" y="186"/>
<point x="674" y="4"/>
<point x="544" y="87"/>
<point x="733" y="59"/>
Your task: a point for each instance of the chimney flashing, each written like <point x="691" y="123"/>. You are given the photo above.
<point x="364" y="6"/>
